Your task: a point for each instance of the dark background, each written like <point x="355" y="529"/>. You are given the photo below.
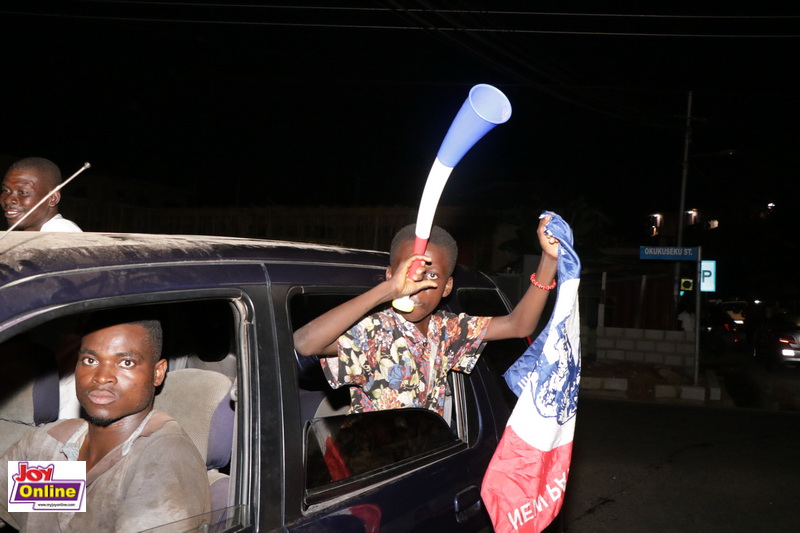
<point x="346" y="103"/>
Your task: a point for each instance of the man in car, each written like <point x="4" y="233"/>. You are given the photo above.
<point x="142" y="470"/>
<point x="26" y="182"/>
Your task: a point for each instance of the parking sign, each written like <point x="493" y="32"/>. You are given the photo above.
<point x="708" y="276"/>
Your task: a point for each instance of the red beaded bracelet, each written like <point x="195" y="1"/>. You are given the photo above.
<point x="540" y="286"/>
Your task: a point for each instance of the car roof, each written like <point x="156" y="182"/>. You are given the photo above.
<point x="29" y="253"/>
<point x="24" y="254"/>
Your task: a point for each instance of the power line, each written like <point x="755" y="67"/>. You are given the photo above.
<point x="450" y="11"/>
<point x="406" y="28"/>
<point x="410" y="11"/>
<point x="488" y="51"/>
<point x="475" y="32"/>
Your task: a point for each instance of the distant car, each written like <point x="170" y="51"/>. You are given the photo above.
<point x="735" y="309"/>
<point x="778" y="341"/>
<point x="720" y="331"/>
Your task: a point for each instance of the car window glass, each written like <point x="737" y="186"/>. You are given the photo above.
<point x="341" y="447"/>
<point x="225" y="520"/>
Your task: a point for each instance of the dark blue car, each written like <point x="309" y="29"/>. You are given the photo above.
<point x="281" y="451"/>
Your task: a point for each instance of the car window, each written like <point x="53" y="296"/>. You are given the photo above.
<point x="226" y="520"/>
<point x="497" y="355"/>
<point x="202" y="346"/>
<point x="345" y="446"/>
<point x="341" y="446"/>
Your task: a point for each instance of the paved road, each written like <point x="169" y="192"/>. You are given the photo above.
<point x="750" y="384"/>
<point x="644" y="467"/>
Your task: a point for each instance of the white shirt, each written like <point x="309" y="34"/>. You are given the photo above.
<point x="68" y="405"/>
<point x="687" y="321"/>
<point x="60" y="224"/>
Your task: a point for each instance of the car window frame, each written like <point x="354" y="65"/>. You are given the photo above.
<point x="319" y="497"/>
<point x="464" y="411"/>
<point x="245" y="478"/>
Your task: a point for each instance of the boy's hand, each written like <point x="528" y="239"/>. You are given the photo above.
<point x="548" y="243"/>
<point x="402" y="285"/>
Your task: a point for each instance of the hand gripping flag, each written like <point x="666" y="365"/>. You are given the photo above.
<point x="524" y="484"/>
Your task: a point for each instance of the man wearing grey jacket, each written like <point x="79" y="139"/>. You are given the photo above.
<point x="142" y="470"/>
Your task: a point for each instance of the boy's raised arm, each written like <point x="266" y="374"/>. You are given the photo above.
<point x="321" y="335"/>
<point x="522" y="321"/>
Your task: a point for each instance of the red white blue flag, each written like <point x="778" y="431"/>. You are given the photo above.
<point x="524" y="485"/>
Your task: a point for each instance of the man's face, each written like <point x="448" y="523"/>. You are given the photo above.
<point x="21" y="190"/>
<point x="117" y="374"/>
<point x="426" y="301"/>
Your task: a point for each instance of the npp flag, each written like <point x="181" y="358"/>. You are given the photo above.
<point x="523" y="488"/>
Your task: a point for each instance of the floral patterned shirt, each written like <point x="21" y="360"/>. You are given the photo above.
<point x="389" y="360"/>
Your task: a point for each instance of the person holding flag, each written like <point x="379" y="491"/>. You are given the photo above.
<point x="523" y="488"/>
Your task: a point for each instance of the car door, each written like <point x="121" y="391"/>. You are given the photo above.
<point x="400" y="470"/>
<point x="210" y="308"/>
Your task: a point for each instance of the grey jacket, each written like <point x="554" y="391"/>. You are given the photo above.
<point x="156" y="477"/>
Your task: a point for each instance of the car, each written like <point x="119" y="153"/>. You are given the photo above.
<point x="778" y="340"/>
<point x="720" y="331"/>
<point x="735" y="309"/>
<point x="288" y="457"/>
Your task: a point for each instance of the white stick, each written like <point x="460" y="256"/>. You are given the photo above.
<point x="434" y="185"/>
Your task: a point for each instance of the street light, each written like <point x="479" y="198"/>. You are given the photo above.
<point x="656" y="219"/>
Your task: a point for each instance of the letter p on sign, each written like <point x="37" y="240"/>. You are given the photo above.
<point x="708" y="276"/>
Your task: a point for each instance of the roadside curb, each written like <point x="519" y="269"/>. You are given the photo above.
<point x="708" y="391"/>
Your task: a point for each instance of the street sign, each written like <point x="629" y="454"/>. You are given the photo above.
<point x="668" y="253"/>
<point x="708" y="276"/>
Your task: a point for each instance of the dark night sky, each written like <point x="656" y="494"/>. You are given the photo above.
<point x="255" y="105"/>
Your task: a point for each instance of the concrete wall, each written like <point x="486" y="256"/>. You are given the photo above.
<point x="650" y="346"/>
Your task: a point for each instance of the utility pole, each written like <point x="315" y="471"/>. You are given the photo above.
<point x="684" y="176"/>
<point x="685" y="173"/>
